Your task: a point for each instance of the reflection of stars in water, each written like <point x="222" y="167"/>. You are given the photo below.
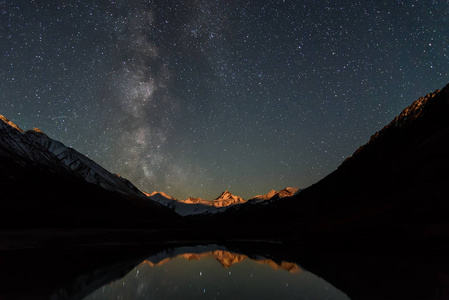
<point x="174" y="279"/>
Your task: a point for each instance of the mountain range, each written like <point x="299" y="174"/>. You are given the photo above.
<point x="196" y="206"/>
<point x="32" y="153"/>
<point x="393" y="185"/>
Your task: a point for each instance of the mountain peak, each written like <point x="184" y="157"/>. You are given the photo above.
<point x="5" y="120"/>
<point x="37" y="130"/>
<point x="287" y="192"/>
<point x="227" y="198"/>
<point x="193" y="200"/>
<point x="428" y="109"/>
<point x="160" y="194"/>
<point x="225" y="194"/>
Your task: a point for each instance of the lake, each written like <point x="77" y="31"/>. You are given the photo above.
<point x="213" y="272"/>
<point x="127" y="264"/>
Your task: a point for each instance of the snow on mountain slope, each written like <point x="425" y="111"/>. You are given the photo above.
<point x="35" y="147"/>
<point x="190" y="206"/>
<point x="196" y="206"/>
<point x="226" y="199"/>
<point x="274" y="195"/>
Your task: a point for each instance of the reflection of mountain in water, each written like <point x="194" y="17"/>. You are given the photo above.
<point x="226" y="258"/>
<point x="217" y="272"/>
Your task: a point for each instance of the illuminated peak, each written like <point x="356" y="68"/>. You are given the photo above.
<point x="156" y="193"/>
<point x="37" y="130"/>
<point x="34" y="131"/>
<point x="5" y="120"/>
<point x="192" y="200"/>
<point x="287" y="192"/>
<point x="225" y="195"/>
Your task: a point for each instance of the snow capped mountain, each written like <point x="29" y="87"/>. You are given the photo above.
<point x="190" y="206"/>
<point x="45" y="183"/>
<point x="35" y="147"/>
<point x="273" y="195"/>
<point x="226" y="200"/>
<point x="267" y="196"/>
<point x="192" y="200"/>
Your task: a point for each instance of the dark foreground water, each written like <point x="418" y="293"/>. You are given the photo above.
<point x="212" y="272"/>
<point x="127" y="264"/>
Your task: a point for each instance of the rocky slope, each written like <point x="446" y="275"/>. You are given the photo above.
<point x="44" y="182"/>
<point x="36" y="146"/>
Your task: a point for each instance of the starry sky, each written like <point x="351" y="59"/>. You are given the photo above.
<point x="195" y="97"/>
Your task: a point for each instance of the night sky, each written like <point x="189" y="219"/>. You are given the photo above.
<point x="196" y="97"/>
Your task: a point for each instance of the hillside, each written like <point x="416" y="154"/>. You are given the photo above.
<point x="391" y="188"/>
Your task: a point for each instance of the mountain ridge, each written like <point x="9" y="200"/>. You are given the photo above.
<point x="51" y="184"/>
<point x="226" y="200"/>
<point x="43" y="151"/>
<point x="36" y="145"/>
<point x="408" y="115"/>
<point x="391" y="189"/>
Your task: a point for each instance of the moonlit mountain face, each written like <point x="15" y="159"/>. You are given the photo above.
<point x="196" y="97"/>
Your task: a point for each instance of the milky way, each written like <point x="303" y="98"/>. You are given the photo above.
<point x="195" y="97"/>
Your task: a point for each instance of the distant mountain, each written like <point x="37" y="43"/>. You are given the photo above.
<point x="227" y="198"/>
<point x="274" y="195"/>
<point x="395" y="186"/>
<point x="197" y="206"/>
<point x="44" y="182"/>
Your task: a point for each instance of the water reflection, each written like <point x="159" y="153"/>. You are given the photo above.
<point x="213" y="272"/>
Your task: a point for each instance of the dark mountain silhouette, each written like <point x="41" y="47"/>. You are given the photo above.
<point x="394" y="186"/>
<point x="45" y="183"/>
